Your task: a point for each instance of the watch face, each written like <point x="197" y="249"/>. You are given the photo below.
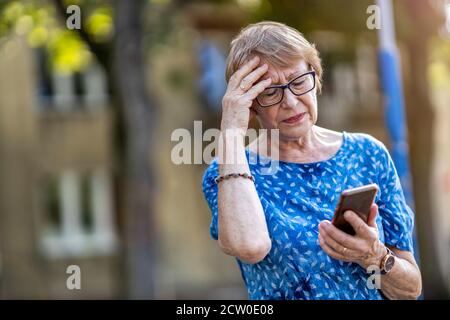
<point x="389" y="263"/>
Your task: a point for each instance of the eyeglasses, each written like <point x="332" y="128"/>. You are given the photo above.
<point x="298" y="86"/>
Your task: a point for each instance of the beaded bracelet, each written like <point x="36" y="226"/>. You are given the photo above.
<point x="234" y="175"/>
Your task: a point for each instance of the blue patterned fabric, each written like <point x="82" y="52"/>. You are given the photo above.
<point x="296" y="199"/>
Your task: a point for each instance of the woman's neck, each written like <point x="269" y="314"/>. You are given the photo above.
<point x="316" y="145"/>
<point x="301" y="146"/>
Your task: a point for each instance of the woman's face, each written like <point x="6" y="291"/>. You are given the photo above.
<point x="280" y="116"/>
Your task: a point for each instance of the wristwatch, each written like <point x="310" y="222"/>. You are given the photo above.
<point x="388" y="261"/>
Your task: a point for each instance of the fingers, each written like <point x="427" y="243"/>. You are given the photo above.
<point x="248" y="81"/>
<point x="339" y="236"/>
<point x="330" y="251"/>
<point x="360" y="227"/>
<point x="371" y="221"/>
<point x="344" y="251"/>
<point x="258" y="88"/>
<point x="237" y="77"/>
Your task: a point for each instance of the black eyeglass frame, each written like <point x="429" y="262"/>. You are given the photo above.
<point x="288" y="85"/>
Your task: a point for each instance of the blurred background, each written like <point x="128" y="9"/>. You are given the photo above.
<point x="86" y="118"/>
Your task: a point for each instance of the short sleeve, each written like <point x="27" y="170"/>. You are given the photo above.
<point x="397" y="217"/>
<point x="210" y="191"/>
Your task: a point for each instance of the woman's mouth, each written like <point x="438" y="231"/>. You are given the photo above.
<point x="295" y="119"/>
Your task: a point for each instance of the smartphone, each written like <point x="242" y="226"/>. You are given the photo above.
<point x="359" y="200"/>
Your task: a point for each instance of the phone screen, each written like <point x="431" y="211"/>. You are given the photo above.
<point x="358" y="200"/>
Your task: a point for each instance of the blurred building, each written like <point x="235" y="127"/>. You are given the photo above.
<point x="56" y="167"/>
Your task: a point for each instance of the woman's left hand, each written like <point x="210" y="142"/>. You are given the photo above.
<point x="363" y="248"/>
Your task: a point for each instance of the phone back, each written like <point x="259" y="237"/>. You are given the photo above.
<point x="358" y="200"/>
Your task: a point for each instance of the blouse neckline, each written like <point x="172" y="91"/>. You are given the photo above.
<point x="334" y="157"/>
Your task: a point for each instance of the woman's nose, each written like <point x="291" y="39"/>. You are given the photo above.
<point x="290" y="100"/>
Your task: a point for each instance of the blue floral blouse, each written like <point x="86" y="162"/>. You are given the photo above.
<point x="300" y="195"/>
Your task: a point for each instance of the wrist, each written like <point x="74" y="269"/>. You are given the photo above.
<point x="232" y="120"/>
<point x="232" y="126"/>
<point x="376" y="258"/>
<point x="231" y="153"/>
<point x="232" y="131"/>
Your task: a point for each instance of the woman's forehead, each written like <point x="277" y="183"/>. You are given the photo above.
<point x="279" y="74"/>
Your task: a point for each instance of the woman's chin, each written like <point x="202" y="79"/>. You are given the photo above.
<point x="294" y="132"/>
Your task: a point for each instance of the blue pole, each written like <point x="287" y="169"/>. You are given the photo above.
<point x="394" y="103"/>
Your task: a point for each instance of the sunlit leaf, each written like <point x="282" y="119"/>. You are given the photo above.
<point x="68" y="52"/>
<point x="249" y="4"/>
<point x="159" y="2"/>
<point x="100" y="24"/>
<point x="13" y="11"/>
<point x="23" y="25"/>
<point x="38" y="36"/>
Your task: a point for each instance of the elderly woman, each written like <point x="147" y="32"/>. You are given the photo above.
<point x="278" y="226"/>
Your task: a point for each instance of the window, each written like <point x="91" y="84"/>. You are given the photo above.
<point x="77" y="91"/>
<point x="78" y="214"/>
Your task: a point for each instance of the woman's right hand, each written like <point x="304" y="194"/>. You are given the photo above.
<point x="240" y="94"/>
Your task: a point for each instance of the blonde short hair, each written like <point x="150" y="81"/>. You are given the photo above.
<point x="277" y="43"/>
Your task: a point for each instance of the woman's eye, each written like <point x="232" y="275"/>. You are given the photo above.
<point x="299" y="83"/>
<point x="269" y="92"/>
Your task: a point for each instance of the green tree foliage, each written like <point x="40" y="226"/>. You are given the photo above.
<point x="42" y="25"/>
